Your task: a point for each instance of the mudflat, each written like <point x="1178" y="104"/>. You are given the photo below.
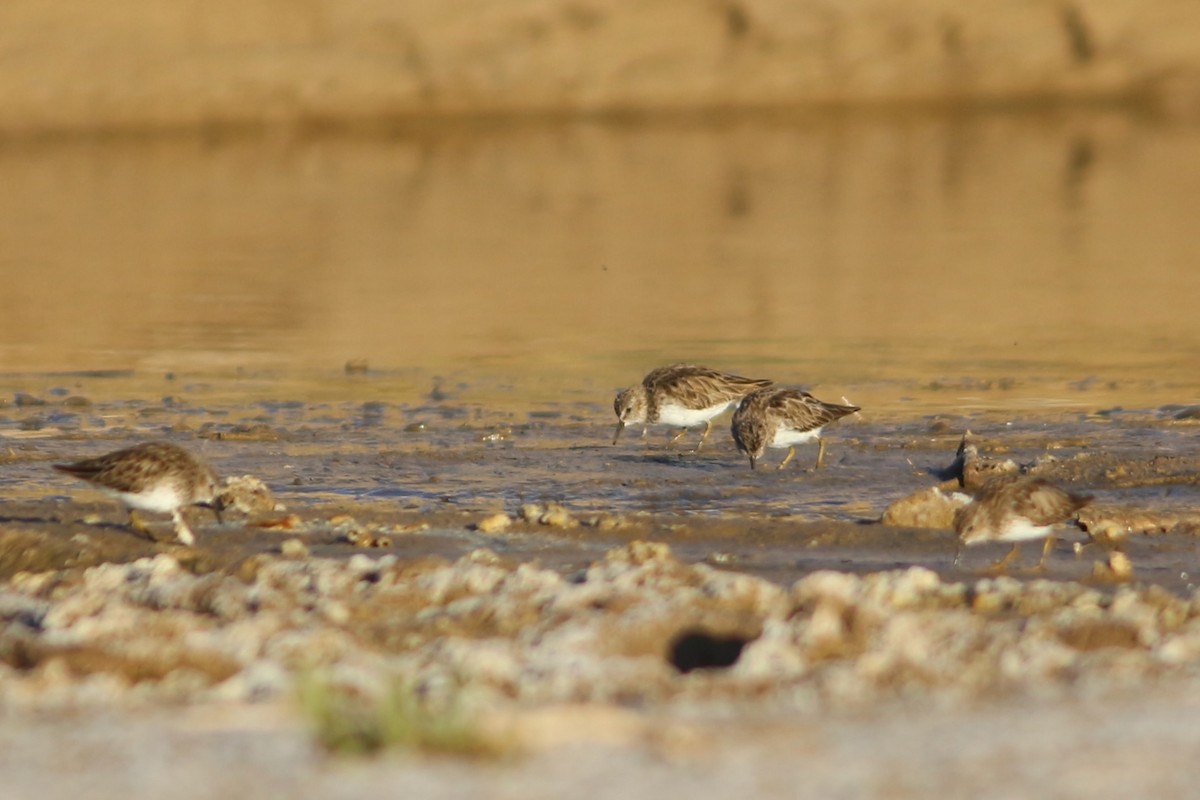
<point x="403" y="351"/>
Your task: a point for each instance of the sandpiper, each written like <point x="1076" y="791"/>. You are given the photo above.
<point x="778" y="417"/>
<point x="1016" y="508"/>
<point x="681" y="395"/>
<point x="153" y="476"/>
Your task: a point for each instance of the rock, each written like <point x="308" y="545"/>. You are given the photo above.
<point x="496" y="523"/>
<point x="640" y="626"/>
<point x="978" y="470"/>
<point x="286" y="522"/>
<point x="247" y="494"/>
<point x="557" y="517"/>
<point x="552" y="514"/>
<point x="1115" y="567"/>
<point x="1110" y="523"/>
<point x="360" y="537"/>
<point x="928" y="508"/>
<point x="294" y="548"/>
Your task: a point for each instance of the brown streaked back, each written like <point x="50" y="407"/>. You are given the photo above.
<point x="696" y="387"/>
<point x="134" y="468"/>
<point x="1038" y="500"/>
<point x="794" y="408"/>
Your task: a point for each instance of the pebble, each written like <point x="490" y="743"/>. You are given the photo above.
<point x="927" y="508"/>
<point x="496" y="523"/>
<point x="294" y="548"/>
<point x="552" y="514"/>
<point x="248" y="495"/>
<point x="360" y="537"/>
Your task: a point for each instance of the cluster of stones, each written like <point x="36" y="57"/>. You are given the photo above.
<point x="638" y="626"/>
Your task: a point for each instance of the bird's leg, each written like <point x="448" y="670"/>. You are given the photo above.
<point x="787" y="458"/>
<point x="1046" y="549"/>
<point x="703" y="436"/>
<point x="181" y="528"/>
<point x="138" y="524"/>
<point x="677" y="436"/>
<point x="957" y="550"/>
<point x="1001" y="566"/>
<point x="820" y="452"/>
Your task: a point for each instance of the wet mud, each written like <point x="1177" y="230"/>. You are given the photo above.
<point x="511" y="564"/>
<point x="417" y="480"/>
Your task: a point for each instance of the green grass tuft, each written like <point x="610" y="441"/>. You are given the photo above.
<point x="349" y="724"/>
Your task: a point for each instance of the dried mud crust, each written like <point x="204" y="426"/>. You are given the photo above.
<point x="42" y="536"/>
<point x="978" y="459"/>
<point x="1122" y="471"/>
<point x="976" y="462"/>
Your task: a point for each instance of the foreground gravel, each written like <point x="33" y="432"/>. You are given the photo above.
<point x="638" y="676"/>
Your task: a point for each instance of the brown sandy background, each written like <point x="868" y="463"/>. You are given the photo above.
<point x="136" y="64"/>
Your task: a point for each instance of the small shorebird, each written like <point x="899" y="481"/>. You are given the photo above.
<point x="774" y="417"/>
<point x="154" y="476"/>
<point x="1016" y="508"/>
<point x="682" y="396"/>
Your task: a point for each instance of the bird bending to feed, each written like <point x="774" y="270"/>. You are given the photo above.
<point x="153" y="476"/>
<point x="1016" y="508"/>
<point x="681" y="395"/>
<point x="776" y="417"/>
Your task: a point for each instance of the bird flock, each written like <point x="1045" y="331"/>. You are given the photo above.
<point x="165" y="478"/>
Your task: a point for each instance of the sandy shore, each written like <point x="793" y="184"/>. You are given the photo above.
<point x="1136" y="744"/>
<point x="134" y="65"/>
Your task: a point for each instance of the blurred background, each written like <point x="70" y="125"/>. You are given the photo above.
<point x="578" y="190"/>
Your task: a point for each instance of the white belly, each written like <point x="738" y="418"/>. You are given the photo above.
<point x="680" y="417"/>
<point x="787" y="438"/>
<point x="1023" y="530"/>
<point x="163" y="498"/>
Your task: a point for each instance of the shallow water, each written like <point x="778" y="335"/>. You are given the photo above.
<point x="1032" y="277"/>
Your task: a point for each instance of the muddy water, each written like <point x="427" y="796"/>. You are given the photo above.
<point x="1032" y="277"/>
